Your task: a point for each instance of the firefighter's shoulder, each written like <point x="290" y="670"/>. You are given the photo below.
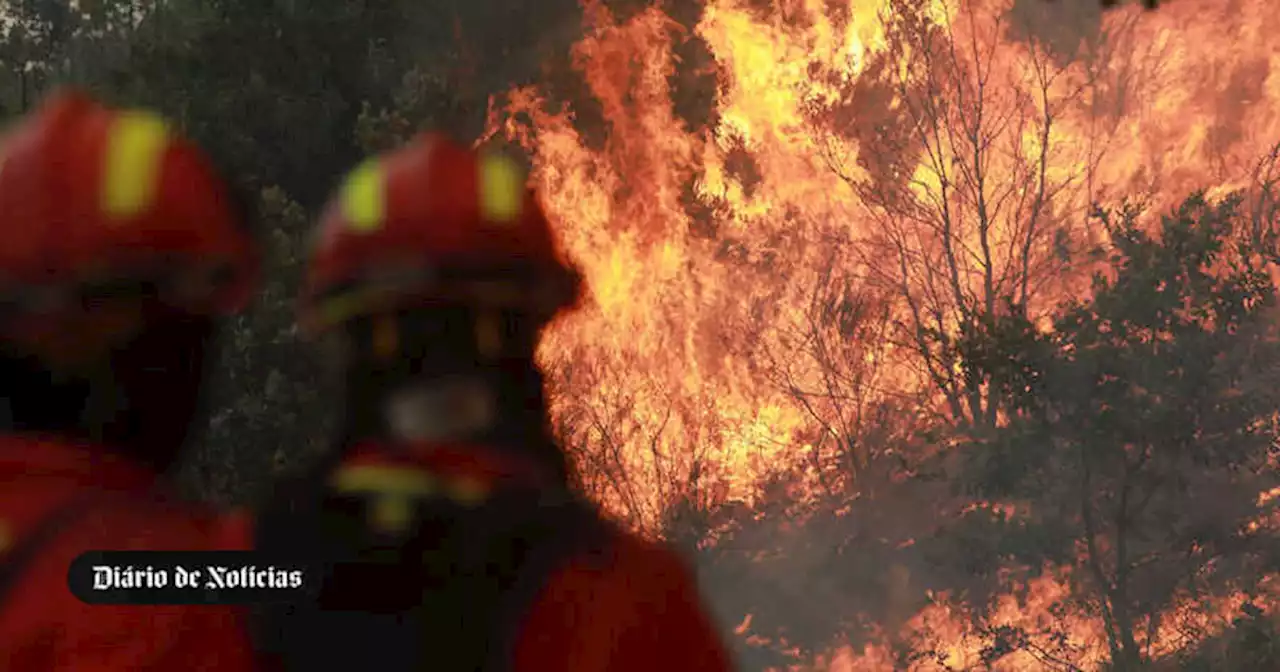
<point x="100" y="500"/>
<point x="135" y="637"/>
<point x="633" y="604"/>
<point x="111" y="511"/>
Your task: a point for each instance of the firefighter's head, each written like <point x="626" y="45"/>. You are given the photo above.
<point x="120" y="248"/>
<point x="433" y="273"/>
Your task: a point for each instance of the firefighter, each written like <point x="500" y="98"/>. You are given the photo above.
<point x="120" y="249"/>
<point x="446" y="515"/>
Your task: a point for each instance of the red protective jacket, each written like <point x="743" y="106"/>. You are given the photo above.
<point x="638" y="611"/>
<point x="642" y="613"/>
<point x="43" y="627"/>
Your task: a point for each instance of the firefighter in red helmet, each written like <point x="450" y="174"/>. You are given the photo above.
<point x="446" y="515"/>
<point x="120" y="249"/>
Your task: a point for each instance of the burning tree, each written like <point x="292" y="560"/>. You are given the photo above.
<point x="830" y="358"/>
<point x="900" y="178"/>
<point x="1141" y="440"/>
<point x="967" y="184"/>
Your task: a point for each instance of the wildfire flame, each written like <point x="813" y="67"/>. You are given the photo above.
<point x="723" y="258"/>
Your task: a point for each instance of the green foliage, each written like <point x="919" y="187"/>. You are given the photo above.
<point x="275" y="91"/>
<point x="424" y="100"/>
<point x="268" y="395"/>
<point x="1140" y="431"/>
<point x="287" y="96"/>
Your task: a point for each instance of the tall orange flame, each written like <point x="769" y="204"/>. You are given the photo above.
<point x="920" y="156"/>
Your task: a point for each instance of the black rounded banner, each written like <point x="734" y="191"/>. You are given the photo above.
<point x="190" y="577"/>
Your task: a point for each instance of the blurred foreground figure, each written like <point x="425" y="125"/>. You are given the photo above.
<point x="118" y="250"/>
<point x="433" y="274"/>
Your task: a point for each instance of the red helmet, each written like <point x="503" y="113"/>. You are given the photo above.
<point x="434" y="223"/>
<point x="97" y="203"/>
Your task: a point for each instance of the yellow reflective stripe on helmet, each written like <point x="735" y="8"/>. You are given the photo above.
<point x="364" y="198"/>
<point x="131" y="174"/>
<point x="502" y="188"/>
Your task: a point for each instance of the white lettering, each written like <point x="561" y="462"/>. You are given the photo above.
<point x="252" y="578"/>
<point x="188" y="578"/>
<point x="101" y="578"/>
<point x="129" y="578"/>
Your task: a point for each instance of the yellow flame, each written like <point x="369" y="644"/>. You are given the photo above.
<point x="839" y="158"/>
